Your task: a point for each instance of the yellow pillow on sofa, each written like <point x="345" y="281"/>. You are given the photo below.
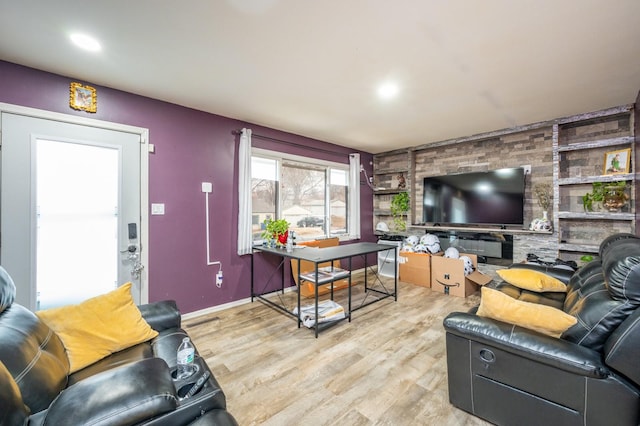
<point x="529" y="279"/>
<point x="544" y="319"/>
<point x="98" y="326"/>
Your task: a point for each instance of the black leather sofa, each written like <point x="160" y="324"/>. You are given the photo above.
<point x="135" y="386"/>
<point x="510" y="375"/>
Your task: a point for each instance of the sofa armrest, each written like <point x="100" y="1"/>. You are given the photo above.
<point x="621" y="349"/>
<point x="161" y="315"/>
<point x="215" y="417"/>
<point x="528" y="344"/>
<point x="122" y="396"/>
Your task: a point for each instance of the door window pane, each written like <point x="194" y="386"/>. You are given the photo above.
<point x="77" y="222"/>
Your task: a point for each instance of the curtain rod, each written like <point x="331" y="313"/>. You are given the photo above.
<point x="269" y="138"/>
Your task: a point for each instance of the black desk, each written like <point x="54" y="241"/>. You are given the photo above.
<point x="321" y="255"/>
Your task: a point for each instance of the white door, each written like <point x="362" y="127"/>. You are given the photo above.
<point x="70" y="210"/>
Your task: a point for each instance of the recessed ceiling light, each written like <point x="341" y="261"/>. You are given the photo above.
<point x="388" y="90"/>
<point x="85" y="42"/>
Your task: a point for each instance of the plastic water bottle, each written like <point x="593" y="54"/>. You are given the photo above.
<point x="290" y="242"/>
<point x="186" y="355"/>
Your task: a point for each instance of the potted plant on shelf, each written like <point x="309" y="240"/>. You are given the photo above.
<point x="592" y="201"/>
<point x="611" y="196"/>
<point x="276" y="230"/>
<point x="399" y="207"/>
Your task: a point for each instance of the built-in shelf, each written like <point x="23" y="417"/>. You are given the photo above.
<point x="596" y="144"/>
<point x="577" y="152"/>
<point x="580" y="248"/>
<point x="389" y="191"/>
<point x="379" y="212"/>
<point x="472" y="229"/>
<point x="596" y="216"/>
<point x="590" y="179"/>
<point x="389" y="171"/>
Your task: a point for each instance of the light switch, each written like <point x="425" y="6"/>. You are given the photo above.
<point x="157" y="209"/>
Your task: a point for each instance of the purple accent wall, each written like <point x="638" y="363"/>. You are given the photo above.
<point x="191" y="147"/>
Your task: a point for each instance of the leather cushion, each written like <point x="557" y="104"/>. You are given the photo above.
<point x="7" y="290"/>
<point x="585" y="274"/>
<point x="621" y="349"/>
<point x="13" y="411"/>
<point x="34" y="356"/>
<point x="161" y="315"/>
<point x="135" y="353"/>
<point x="604" y="293"/>
<point x="612" y="240"/>
<point x="621" y="267"/>
<point x="122" y="396"/>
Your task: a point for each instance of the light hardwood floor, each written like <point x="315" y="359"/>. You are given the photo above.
<point x="385" y="367"/>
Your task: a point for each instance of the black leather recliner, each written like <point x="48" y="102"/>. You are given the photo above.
<point x="135" y="386"/>
<point x="509" y="375"/>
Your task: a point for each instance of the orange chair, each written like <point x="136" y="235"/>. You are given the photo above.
<point x="306" y="288"/>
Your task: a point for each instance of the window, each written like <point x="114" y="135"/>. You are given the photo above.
<point x="312" y="195"/>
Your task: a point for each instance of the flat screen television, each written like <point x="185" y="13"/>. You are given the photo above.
<point x="494" y="197"/>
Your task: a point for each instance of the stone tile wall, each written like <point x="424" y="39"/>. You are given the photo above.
<point x="532" y="148"/>
<point x="527" y="145"/>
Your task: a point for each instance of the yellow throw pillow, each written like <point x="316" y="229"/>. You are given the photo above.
<point x="544" y="319"/>
<point x="529" y="279"/>
<point x="98" y="326"/>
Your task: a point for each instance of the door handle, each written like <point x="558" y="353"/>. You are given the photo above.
<point x="133" y="257"/>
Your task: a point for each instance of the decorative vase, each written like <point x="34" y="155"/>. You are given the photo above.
<point x="541" y="224"/>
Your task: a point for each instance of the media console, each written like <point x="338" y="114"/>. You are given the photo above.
<point x="495" y="248"/>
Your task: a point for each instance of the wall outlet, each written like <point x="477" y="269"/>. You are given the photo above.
<point x="207" y="186"/>
<point x="219" y="279"/>
<point x="527" y="169"/>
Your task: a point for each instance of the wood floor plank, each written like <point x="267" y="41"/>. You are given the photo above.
<point x="385" y="367"/>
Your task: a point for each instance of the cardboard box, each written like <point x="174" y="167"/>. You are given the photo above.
<point x="447" y="276"/>
<point x="415" y="268"/>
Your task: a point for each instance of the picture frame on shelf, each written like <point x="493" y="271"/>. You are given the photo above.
<point x="82" y="97"/>
<point x="617" y="162"/>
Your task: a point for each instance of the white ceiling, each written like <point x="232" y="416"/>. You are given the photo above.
<point x="312" y="67"/>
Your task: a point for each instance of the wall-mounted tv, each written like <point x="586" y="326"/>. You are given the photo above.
<point x="494" y="197"/>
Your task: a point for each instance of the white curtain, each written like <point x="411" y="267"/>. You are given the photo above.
<point x="244" y="193"/>
<point x="354" y="195"/>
